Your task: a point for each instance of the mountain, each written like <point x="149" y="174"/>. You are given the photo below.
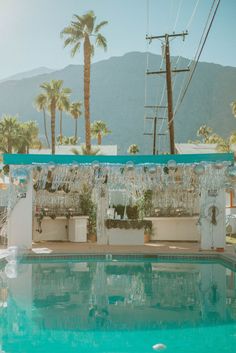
<point x="31" y="73"/>
<point x="117" y="97"/>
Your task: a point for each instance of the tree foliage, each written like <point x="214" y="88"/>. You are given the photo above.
<point x="133" y="149"/>
<point x="17" y="136"/>
<point x="99" y="129"/>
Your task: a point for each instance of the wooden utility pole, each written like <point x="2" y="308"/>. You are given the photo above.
<point x="154" y="133"/>
<point x="168" y="72"/>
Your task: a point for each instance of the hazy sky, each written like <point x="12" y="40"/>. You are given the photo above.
<point x="30" y="30"/>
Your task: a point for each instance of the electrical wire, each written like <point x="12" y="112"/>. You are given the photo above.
<point x="178" y="13"/>
<point x="196" y="60"/>
<point x="147" y="61"/>
<point x="192" y="16"/>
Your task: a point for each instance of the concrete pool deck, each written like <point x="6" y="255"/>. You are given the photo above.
<point x="148" y="248"/>
<point x="158" y="247"/>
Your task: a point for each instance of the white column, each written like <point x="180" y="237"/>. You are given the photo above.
<point x="102" y="206"/>
<point x="19" y="230"/>
<point x="212" y="228"/>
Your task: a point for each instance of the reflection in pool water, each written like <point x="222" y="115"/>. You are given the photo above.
<point x="118" y="307"/>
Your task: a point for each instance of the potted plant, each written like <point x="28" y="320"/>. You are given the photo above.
<point x="147" y="232"/>
<point x="87" y="208"/>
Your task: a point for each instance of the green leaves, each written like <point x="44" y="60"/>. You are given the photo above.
<point x="82" y="27"/>
<point x="17" y="136"/>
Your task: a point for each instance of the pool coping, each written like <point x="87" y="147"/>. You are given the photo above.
<point x="228" y="260"/>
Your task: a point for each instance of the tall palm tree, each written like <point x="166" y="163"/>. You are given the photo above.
<point x="81" y="31"/>
<point x="41" y="105"/>
<point x="53" y="91"/>
<point x="75" y="112"/>
<point x="9" y="133"/>
<point x="63" y="105"/>
<point x="99" y="129"/>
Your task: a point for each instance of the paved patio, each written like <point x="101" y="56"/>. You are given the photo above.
<point x="148" y="248"/>
<point x="158" y="247"/>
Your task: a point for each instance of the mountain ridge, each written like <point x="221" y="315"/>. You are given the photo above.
<point x="28" y="74"/>
<point x="117" y="97"/>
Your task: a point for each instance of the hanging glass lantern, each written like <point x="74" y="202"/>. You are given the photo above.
<point x="218" y="165"/>
<point x="199" y="169"/>
<point x="171" y="164"/>
<point x="95" y="165"/>
<point x="229" y="187"/>
<point x="129" y="166"/>
<point x="231" y="173"/>
<point x="19" y="176"/>
<point x="152" y="169"/>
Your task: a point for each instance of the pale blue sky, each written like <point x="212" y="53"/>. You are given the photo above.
<point x="30" y="30"/>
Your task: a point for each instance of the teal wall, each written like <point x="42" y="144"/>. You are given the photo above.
<point x="27" y="159"/>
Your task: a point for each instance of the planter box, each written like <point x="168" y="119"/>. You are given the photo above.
<point x="126" y="232"/>
<point x="118" y="236"/>
<point x="174" y="228"/>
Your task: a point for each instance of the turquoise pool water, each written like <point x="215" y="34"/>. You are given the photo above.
<point x="115" y="306"/>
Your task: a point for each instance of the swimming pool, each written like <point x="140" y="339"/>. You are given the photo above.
<point x="117" y="306"/>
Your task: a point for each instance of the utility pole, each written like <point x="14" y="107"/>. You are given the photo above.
<point x="168" y="71"/>
<point x="154" y="133"/>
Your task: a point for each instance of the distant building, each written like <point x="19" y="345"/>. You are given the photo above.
<point x="193" y="148"/>
<point x="107" y="150"/>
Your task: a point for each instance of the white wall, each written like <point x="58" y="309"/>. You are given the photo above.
<point x="110" y="150"/>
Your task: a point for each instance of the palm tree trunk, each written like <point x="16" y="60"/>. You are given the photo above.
<point x="99" y="138"/>
<point x="53" y="120"/>
<point x="76" y="129"/>
<point x="45" y="128"/>
<point x="87" y="64"/>
<point x="9" y="146"/>
<point x="61" y="127"/>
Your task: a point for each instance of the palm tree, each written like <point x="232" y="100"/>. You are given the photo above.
<point x="233" y="105"/>
<point x="75" y="112"/>
<point x="63" y="105"/>
<point x="81" y="31"/>
<point x="41" y="105"/>
<point x="204" y="131"/>
<point x="9" y="133"/>
<point x="133" y="149"/>
<point x="99" y="129"/>
<point x="53" y="90"/>
<point x="28" y="137"/>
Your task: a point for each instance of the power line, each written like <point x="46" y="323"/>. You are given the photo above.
<point x="198" y="57"/>
<point x="191" y="18"/>
<point x="177" y="15"/>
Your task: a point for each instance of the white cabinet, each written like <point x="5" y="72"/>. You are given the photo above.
<point x="78" y="229"/>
